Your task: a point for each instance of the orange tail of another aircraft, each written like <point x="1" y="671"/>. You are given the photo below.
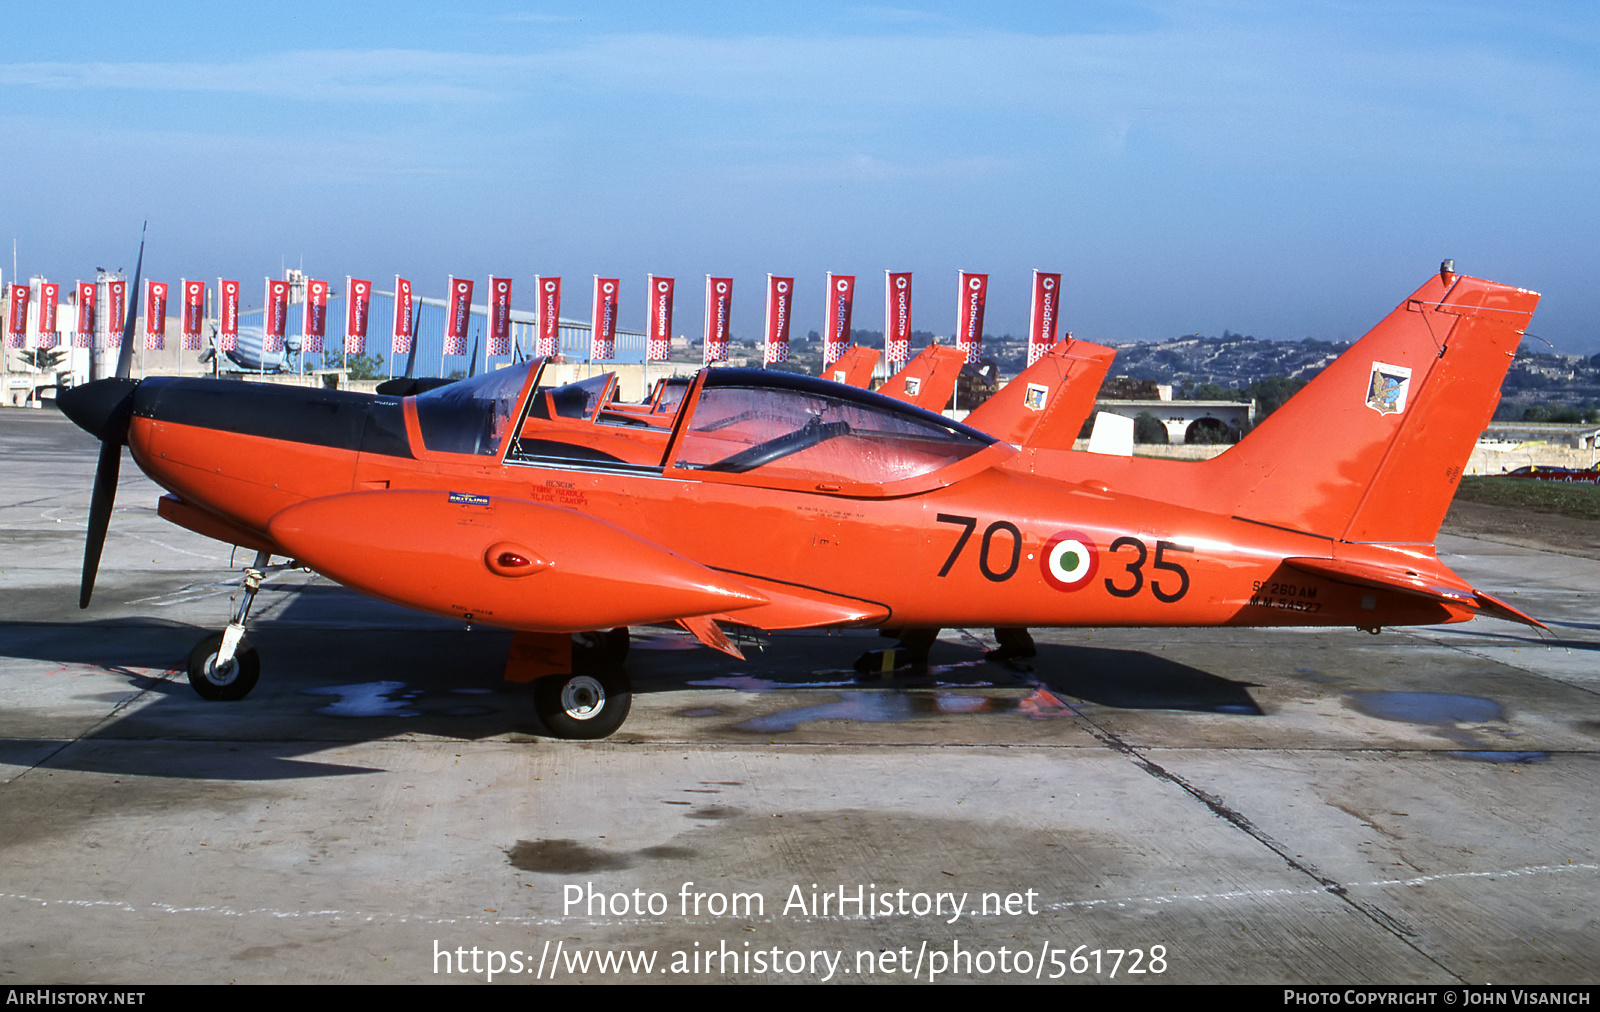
<point x="1047" y="403"/>
<point x="1372" y="449"/>
<point x="929" y="379"/>
<point x="854" y="367"/>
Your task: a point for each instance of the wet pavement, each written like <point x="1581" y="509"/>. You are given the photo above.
<point x="1231" y="805"/>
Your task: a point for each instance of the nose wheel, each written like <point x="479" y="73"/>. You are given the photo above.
<point x="224" y="665"/>
<point x="232" y="679"/>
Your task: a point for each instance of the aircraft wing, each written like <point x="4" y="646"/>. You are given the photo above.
<point x="500" y="561"/>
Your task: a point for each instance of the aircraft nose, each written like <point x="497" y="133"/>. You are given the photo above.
<point x="98" y="407"/>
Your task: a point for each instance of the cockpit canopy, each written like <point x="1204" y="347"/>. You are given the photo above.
<point x="790" y="427"/>
<point x="472" y="415"/>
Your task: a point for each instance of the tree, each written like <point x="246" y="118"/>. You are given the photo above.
<point x="43" y="359"/>
<point x="1147" y="428"/>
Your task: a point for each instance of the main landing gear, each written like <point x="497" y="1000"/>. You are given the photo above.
<point x="224" y="665"/>
<point x="591" y="701"/>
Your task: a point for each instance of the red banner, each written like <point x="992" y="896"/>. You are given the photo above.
<point x="402" y="316"/>
<point x="719" y="307"/>
<point x="155" y="315"/>
<point x="194" y="313"/>
<point x="314" y="316"/>
<point x="458" y="317"/>
<point x="274" y="317"/>
<point x="17" y="318"/>
<point x="970" y="293"/>
<point x="227" y="315"/>
<point x="841" y="299"/>
<point x="780" y="300"/>
<point x="116" y="310"/>
<point x="357" y="311"/>
<point x="49" y="300"/>
<point x="658" y="331"/>
<point x="83" y="333"/>
<point x="603" y="325"/>
<point x="549" y="314"/>
<point x="1045" y="315"/>
<point x="499" y="316"/>
<point x="896" y="317"/>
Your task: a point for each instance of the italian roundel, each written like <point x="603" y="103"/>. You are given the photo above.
<point x="1069" y="561"/>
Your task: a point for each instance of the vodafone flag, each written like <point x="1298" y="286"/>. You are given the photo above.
<point x="658" y="332"/>
<point x="155" y="316"/>
<point x="971" y="292"/>
<point x="548" y="343"/>
<point x="17" y="318"/>
<point x="83" y="333"/>
<point x="719" y="307"/>
<point x="896" y="317"/>
<point x="314" y="318"/>
<point x="841" y="297"/>
<point x="603" y="335"/>
<point x="227" y="315"/>
<point x="116" y="310"/>
<point x="1045" y="316"/>
<point x="49" y="301"/>
<point x="780" y="299"/>
<point x="194" y="313"/>
<point x="458" y="316"/>
<point x="499" y="316"/>
<point x="357" y="312"/>
<point x="402" y="316"/>
<point x="275" y="317"/>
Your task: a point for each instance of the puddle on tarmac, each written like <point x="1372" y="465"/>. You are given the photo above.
<point x="892" y="707"/>
<point x="1439" y="709"/>
<point x="365" y="699"/>
<point x="1520" y="758"/>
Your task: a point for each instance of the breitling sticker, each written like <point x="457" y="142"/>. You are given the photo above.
<point x="1386" y="394"/>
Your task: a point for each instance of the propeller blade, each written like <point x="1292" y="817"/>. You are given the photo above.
<point x="125" y="356"/>
<point x="105" y="493"/>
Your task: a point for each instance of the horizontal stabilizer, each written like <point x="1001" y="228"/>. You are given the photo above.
<point x="1437" y="584"/>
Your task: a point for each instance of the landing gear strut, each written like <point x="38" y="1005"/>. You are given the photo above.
<point x="225" y="666"/>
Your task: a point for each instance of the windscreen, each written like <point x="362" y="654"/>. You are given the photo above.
<point x="471" y="416"/>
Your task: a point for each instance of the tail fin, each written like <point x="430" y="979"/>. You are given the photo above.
<point x="1371" y="450"/>
<point x="1048" y="402"/>
<point x="854" y="367"/>
<point x="929" y="379"/>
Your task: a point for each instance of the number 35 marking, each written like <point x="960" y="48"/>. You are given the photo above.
<point x="1135" y="569"/>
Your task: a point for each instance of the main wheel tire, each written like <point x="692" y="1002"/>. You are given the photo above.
<point x="231" y="682"/>
<point x="582" y="706"/>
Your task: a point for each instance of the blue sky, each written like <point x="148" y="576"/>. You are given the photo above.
<point x="1280" y="169"/>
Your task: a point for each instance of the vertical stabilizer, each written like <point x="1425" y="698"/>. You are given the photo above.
<point x="1371" y="449"/>
<point x="854" y="367"/>
<point x="929" y="379"/>
<point x="1048" y="402"/>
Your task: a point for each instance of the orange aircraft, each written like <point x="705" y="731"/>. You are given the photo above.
<point x="782" y="501"/>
